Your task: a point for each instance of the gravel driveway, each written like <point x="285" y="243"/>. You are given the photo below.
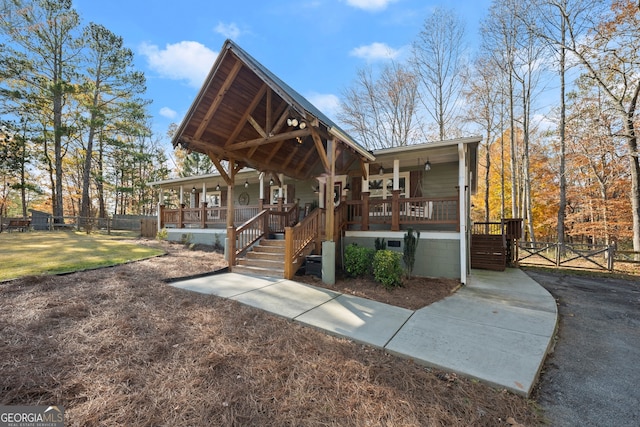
<point x="593" y="376"/>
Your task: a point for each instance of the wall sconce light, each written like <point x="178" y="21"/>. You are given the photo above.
<point x="193" y="190"/>
<point x="427" y="165"/>
<point x="246" y="184"/>
<point x="271" y="181"/>
<point x="218" y="187"/>
<point x="381" y="170"/>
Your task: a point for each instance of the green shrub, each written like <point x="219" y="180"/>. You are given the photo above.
<point x="387" y="269"/>
<point x="380" y="244"/>
<point x="357" y="260"/>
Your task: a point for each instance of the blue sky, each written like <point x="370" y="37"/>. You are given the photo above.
<point x="315" y="46"/>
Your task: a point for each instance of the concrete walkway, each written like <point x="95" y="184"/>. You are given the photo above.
<point x="497" y="329"/>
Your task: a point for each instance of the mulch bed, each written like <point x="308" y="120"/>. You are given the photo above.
<point x="118" y="346"/>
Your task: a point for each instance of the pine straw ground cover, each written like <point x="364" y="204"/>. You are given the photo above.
<point x="119" y="347"/>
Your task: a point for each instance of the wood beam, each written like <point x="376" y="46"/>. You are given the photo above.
<point x="268" y="118"/>
<point x="257" y="127"/>
<point x="223" y="173"/>
<point x="254" y="103"/>
<point x="269" y="139"/>
<point x="320" y="150"/>
<point x="218" y="99"/>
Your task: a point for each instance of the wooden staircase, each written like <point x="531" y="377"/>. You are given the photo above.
<point x="264" y="259"/>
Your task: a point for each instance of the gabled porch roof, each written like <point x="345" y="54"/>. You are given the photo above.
<point x="246" y="115"/>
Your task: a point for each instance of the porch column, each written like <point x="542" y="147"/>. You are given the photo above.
<point x="328" y="196"/>
<point x="395" y="210"/>
<point x="462" y="183"/>
<point x="329" y="245"/>
<point x="231" y="229"/>
<point x="365" y="211"/>
<point x="261" y="189"/>
<point x="396" y="174"/>
<point x="160" y="208"/>
<point x="364" y="196"/>
<point x="230" y="197"/>
<point x="203" y="198"/>
<point x="181" y="195"/>
<point x="321" y="191"/>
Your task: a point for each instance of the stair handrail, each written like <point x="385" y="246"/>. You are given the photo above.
<point x="250" y="232"/>
<point x="298" y="237"/>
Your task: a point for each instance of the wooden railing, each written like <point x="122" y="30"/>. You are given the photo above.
<point x="212" y="217"/>
<point x="298" y="238"/>
<point x="241" y="239"/>
<point x="399" y="211"/>
<point x="510" y="228"/>
<point x="265" y="222"/>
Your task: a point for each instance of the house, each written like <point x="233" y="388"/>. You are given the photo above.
<point x="278" y="157"/>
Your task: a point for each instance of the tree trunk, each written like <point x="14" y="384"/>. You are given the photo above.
<point x="562" y="206"/>
<point x="102" y="210"/>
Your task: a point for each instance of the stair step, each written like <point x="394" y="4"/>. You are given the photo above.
<point x="269" y="249"/>
<point x="263" y="263"/>
<point x="272" y="242"/>
<point x="274" y="256"/>
<point x="264" y="259"/>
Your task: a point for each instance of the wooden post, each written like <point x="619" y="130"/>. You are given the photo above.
<point x="288" y="253"/>
<point x="231" y="246"/>
<point x="161" y="209"/>
<point x="181" y="216"/>
<point x="395" y="210"/>
<point x="203" y="215"/>
<point x="329" y="205"/>
<point x="365" y="212"/>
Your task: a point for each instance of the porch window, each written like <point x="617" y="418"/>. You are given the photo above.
<point x="275" y="194"/>
<point x="382" y="186"/>
<point x="214" y="200"/>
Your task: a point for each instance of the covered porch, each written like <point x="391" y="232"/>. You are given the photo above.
<point x="285" y="168"/>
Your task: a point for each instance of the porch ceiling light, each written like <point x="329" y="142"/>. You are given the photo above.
<point x="193" y="190"/>
<point x="271" y="181"/>
<point x="427" y="165"/>
<point x="381" y="171"/>
<point x="246" y="184"/>
<point x="218" y="187"/>
<point x="347" y="187"/>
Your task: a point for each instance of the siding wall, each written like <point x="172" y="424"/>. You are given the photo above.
<point x="438" y="254"/>
<point x="440" y="181"/>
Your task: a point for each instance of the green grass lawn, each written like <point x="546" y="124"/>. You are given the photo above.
<point x="46" y="252"/>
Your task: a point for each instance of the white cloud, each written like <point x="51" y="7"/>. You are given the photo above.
<point x="168" y="113"/>
<point x="229" y="31"/>
<point x="375" y="51"/>
<point x="328" y="103"/>
<point x="371" y="5"/>
<point x="186" y="60"/>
